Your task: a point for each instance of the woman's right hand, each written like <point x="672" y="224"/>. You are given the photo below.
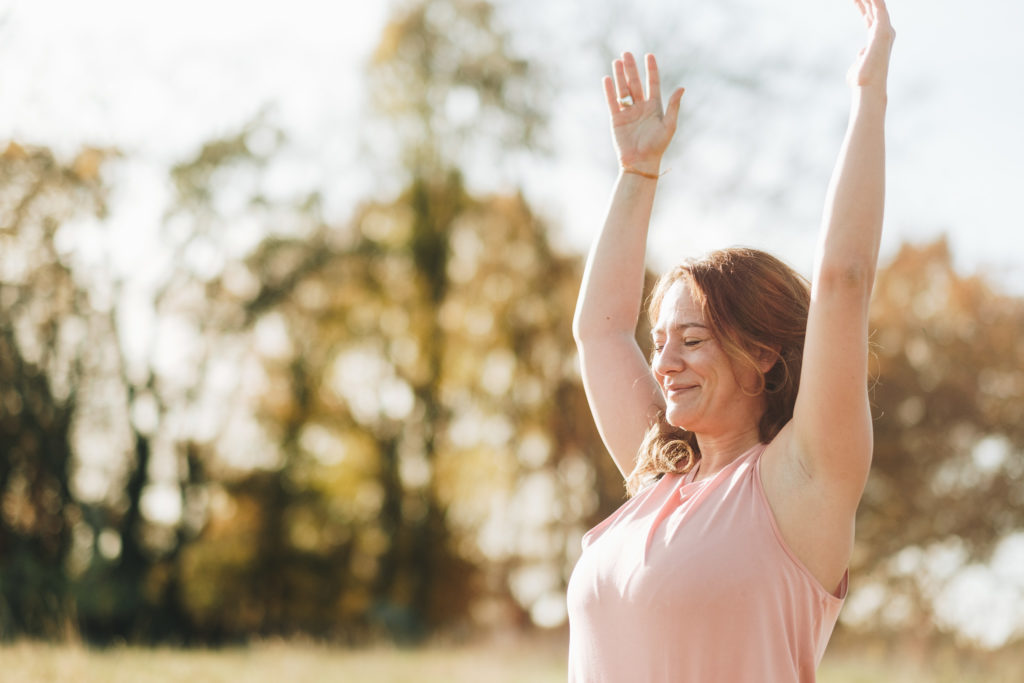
<point x="871" y="67"/>
<point x="641" y="129"/>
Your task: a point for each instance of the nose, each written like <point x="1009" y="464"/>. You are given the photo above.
<point x="667" y="361"/>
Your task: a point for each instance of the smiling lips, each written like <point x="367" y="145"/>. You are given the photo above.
<point x="679" y="389"/>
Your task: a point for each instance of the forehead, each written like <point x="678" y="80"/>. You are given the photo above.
<point x="678" y="307"/>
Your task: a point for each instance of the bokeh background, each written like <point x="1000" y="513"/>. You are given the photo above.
<point x="286" y="291"/>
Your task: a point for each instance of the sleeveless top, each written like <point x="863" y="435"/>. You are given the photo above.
<point x="692" y="581"/>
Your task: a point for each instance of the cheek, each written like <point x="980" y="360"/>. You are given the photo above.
<point x="745" y="377"/>
<point x="706" y="362"/>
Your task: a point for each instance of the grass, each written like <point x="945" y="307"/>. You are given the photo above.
<point x="500" y="662"/>
<point x="280" y="662"/>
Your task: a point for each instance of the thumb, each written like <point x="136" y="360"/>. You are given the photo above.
<point x="672" y="110"/>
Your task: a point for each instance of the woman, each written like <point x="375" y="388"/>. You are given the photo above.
<point x="748" y="440"/>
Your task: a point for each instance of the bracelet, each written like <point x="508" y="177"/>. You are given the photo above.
<point x="653" y="176"/>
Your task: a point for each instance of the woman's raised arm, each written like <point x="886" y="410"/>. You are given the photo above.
<point x="623" y="395"/>
<point x="832" y="435"/>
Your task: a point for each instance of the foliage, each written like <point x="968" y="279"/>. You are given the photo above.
<point x="449" y="86"/>
<point x="949" y="430"/>
<point x="375" y="426"/>
<point x="396" y="391"/>
<point x="44" y="330"/>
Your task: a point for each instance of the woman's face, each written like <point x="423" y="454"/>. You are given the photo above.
<point x="703" y="388"/>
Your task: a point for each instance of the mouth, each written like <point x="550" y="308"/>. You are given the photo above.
<point x="679" y="391"/>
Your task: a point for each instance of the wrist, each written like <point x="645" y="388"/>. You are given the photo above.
<point x="870" y="98"/>
<point x="643" y="165"/>
<point x="647" y="168"/>
<point x="625" y="168"/>
<point x="871" y="92"/>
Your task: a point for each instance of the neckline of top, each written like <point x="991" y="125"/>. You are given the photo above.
<point x="690" y="477"/>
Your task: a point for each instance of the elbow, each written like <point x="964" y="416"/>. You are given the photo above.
<point x="846" y="277"/>
<point x="587" y="330"/>
<point x="588" y="322"/>
<point x="577" y="333"/>
<point x="583" y="329"/>
<point x="592" y="322"/>
<point x="578" y="326"/>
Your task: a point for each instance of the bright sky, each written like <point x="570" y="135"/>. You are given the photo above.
<point x="157" y="78"/>
<point x="955" y="139"/>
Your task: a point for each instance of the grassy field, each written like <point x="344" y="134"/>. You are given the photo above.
<point x="276" y="662"/>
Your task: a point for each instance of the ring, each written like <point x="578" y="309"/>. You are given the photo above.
<point x="626" y="101"/>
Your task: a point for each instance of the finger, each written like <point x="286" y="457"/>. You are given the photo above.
<point x="672" y="110"/>
<point x="882" y="12"/>
<point x="620" y="78"/>
<point x="609" y="93"/>
<point x="636" y="88"/>
<point x="653" y="79"/>
<point x="862" y="7"/>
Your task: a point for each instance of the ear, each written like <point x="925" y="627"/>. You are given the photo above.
<point x="766" y="357"/>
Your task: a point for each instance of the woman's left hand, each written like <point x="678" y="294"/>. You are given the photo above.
<point x="871" y="68"/>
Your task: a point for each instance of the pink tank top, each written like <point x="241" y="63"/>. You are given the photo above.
<point x="691" y="581"/>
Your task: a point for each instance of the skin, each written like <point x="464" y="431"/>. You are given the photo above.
<point x="815" y="469"/>
<point x="705" y="391"/>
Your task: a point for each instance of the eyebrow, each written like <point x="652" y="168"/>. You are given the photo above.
<point x="681" y="326"/>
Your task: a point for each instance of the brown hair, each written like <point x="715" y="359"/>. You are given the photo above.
<point x="753" y="304"/>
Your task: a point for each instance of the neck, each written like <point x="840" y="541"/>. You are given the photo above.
<point x="718" y="451"/>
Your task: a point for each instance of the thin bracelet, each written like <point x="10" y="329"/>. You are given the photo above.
<point x="653" y="176"/>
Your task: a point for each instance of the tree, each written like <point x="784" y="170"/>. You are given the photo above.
<point x="387" y="327"/>
<point x="949" y="431"/>
<point x="45" y="324"/>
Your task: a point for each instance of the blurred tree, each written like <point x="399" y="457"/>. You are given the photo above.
<point x="949" y="432"/>
<point x="166" y="343"/>
<point x="408" y="359"/>
<point x="451" y="90"/>
<point x="408" y="419"/>
<point x="101" y="462"/>
<point x="45" y="325"/>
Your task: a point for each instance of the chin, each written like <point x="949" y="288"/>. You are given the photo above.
<point x="679" y="418"/>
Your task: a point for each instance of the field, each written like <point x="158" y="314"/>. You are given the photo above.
<point x="296" y="662"/>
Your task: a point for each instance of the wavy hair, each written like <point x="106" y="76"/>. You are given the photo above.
<point x="753" y="304"/>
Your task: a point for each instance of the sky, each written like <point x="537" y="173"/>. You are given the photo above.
<point x="156" y="79"/>
<point x="955" y="143"/>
